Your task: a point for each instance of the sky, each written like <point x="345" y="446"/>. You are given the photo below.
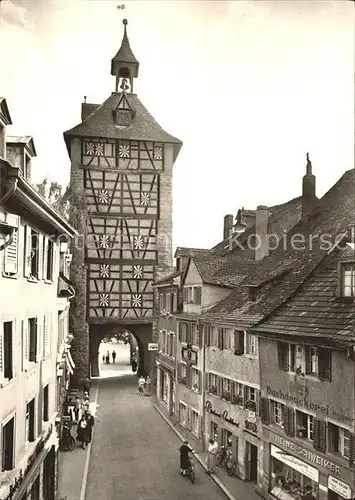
<point x="249" y="87"/>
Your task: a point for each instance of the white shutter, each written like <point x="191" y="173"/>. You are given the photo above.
<point x="28" y="249"/>
<point x="40" y="256"/>
<point x="14" y="349"/>
<point x="45" y="328"/>
<point x="50" y="330"/>
<point x="25" y="344"/>
<point x="45" y="257"/>
<point x="1" y="349"/>
<point x="39" y="339"/>
<point x="55" y="257"/>
<point x="11" y="255"/>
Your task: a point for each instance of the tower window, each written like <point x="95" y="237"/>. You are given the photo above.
<point x="123" y="117"/>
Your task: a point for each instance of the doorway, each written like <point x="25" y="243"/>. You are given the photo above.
<point x="251" y="462"/>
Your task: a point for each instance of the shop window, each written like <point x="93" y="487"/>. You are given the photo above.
<point x="238" y="394"/>
<point x="278" y="413"/>
<point x="288" y="483"/>
<point x="195" y="422"/>
<point x="182" y="413"/>
<point x="304" y="425"/>
<point x="339" y="440"/>
<point x="251" y="344"/>
<point x="165" y="394"/>
<point x="8" y="443"/>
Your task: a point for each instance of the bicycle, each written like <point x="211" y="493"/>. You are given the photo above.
<point x="66" y="442"/>
<point x="191" y="471"/>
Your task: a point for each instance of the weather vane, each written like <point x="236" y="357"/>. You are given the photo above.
<point x="121" y="7"/>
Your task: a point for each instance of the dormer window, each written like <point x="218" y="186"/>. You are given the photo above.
<point x="27" y="168"/>
<point x="253" y="293"/>
<point x="347" y="279"/>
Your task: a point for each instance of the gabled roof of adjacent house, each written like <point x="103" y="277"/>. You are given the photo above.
<point x="4" y="112"/>
<point x="278" y="275"/>
<point x="101" y="123"/>
<point x="315" y="309"/>
<point x="169" y="279"/>
<point x="187" y="252"/>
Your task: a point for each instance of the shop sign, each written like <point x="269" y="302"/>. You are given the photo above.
<point x="309" y="455"/>
<point x="295" y="463"/>
<point x="152" y="347"/>
<point x="339" y="487"/>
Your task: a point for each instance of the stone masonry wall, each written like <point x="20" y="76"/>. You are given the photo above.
<point x="78" y="271"/>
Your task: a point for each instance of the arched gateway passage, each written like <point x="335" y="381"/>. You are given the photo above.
<point x="141" y="333"/>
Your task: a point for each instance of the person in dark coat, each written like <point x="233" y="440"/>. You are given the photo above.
<point x="134" y="365"/>
<point x="185" y="449"/>
<point x="82" y="432"/>
<point x="113" y="356"/>
<point x="90" y="423"/>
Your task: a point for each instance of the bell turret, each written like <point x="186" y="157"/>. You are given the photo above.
<point x="124" y="66"/>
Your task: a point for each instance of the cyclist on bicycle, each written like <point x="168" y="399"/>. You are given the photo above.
<point x="185" y="449"/>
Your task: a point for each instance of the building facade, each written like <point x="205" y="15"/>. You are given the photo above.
<point x="121" y="179"/>
<point x="307" y="395"/>
<point x="30" y="235"/>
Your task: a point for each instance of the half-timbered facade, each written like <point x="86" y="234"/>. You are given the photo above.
<point x="122" y="164"/>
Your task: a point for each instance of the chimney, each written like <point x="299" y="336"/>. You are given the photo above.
<point x="308" y="191"/>
<point x="228" y="227"/>
<point x="262" y="243"/>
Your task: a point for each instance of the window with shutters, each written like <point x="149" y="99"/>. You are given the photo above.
<point x="195" y="380"/>
<point x="318" y="362"/>
<point x="49" y="259"/>
<point x="182" y="413"/>
<point x="238" y="342"/>
<point x="195" y="334"/>
<point x="347" y="279"/>
<point x="226" y="389"/>
<point x="277" y="413"/>
<point x="32" y="340"/>
<point x="8" y="445"/>
<point x="339" y="440"/>
<point x="182" y="331"/>
<point x="46" y="403"/>
<point x="34" y="254"/>
<point x="251" y="398"/>
<point x="283" y="355"/>
<point x="304" y="425"/>
<point x="251" y="344"/>
<point x="8" y="349"/>
<point x="195" y="423"/>
<point x="182" y="374"/>
<point x="11" y="255"/>
<point x="46" y="343"/>
<point x="197" y="295"/>
<point x="221" y="338"/>
<point x="212" y="383"/>
<point x="30" y="421"/>
<point x="237" y="394"/>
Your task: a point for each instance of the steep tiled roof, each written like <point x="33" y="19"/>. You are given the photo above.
<point x="26" y="140"/>
<point x="287" y="267"/>
<point x="315" y="308"/>
<point x="188" y="252"/>
<point x="281" y="219"/>
<point x="4" y="112"/>
<point x="169" y="278"/>
<point x="101" y="123"/>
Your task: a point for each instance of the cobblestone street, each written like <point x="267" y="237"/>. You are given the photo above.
<point x="134" y="453"/>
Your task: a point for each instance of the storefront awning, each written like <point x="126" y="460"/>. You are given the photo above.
<point x="70" y="369"/>
<point x="70" y="359"/>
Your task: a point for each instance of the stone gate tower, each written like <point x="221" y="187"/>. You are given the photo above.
<point x="121" y="197"/>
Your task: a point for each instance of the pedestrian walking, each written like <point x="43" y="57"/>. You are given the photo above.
<point x="77" y="410"/>
<point x="107" y="358"/>
<point x="86" y="383"/>
<point x="211" y="456"/>
<point x="141" y="384"/>
<point x="134" y="365"/>
<point x="148" y="385"/>
<point x="113" y="356"/>
<point x="82" y="432"/>
<point x="185" y="449"/>
<point x="90" y="423"/>
<point x="103" y="358"/>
